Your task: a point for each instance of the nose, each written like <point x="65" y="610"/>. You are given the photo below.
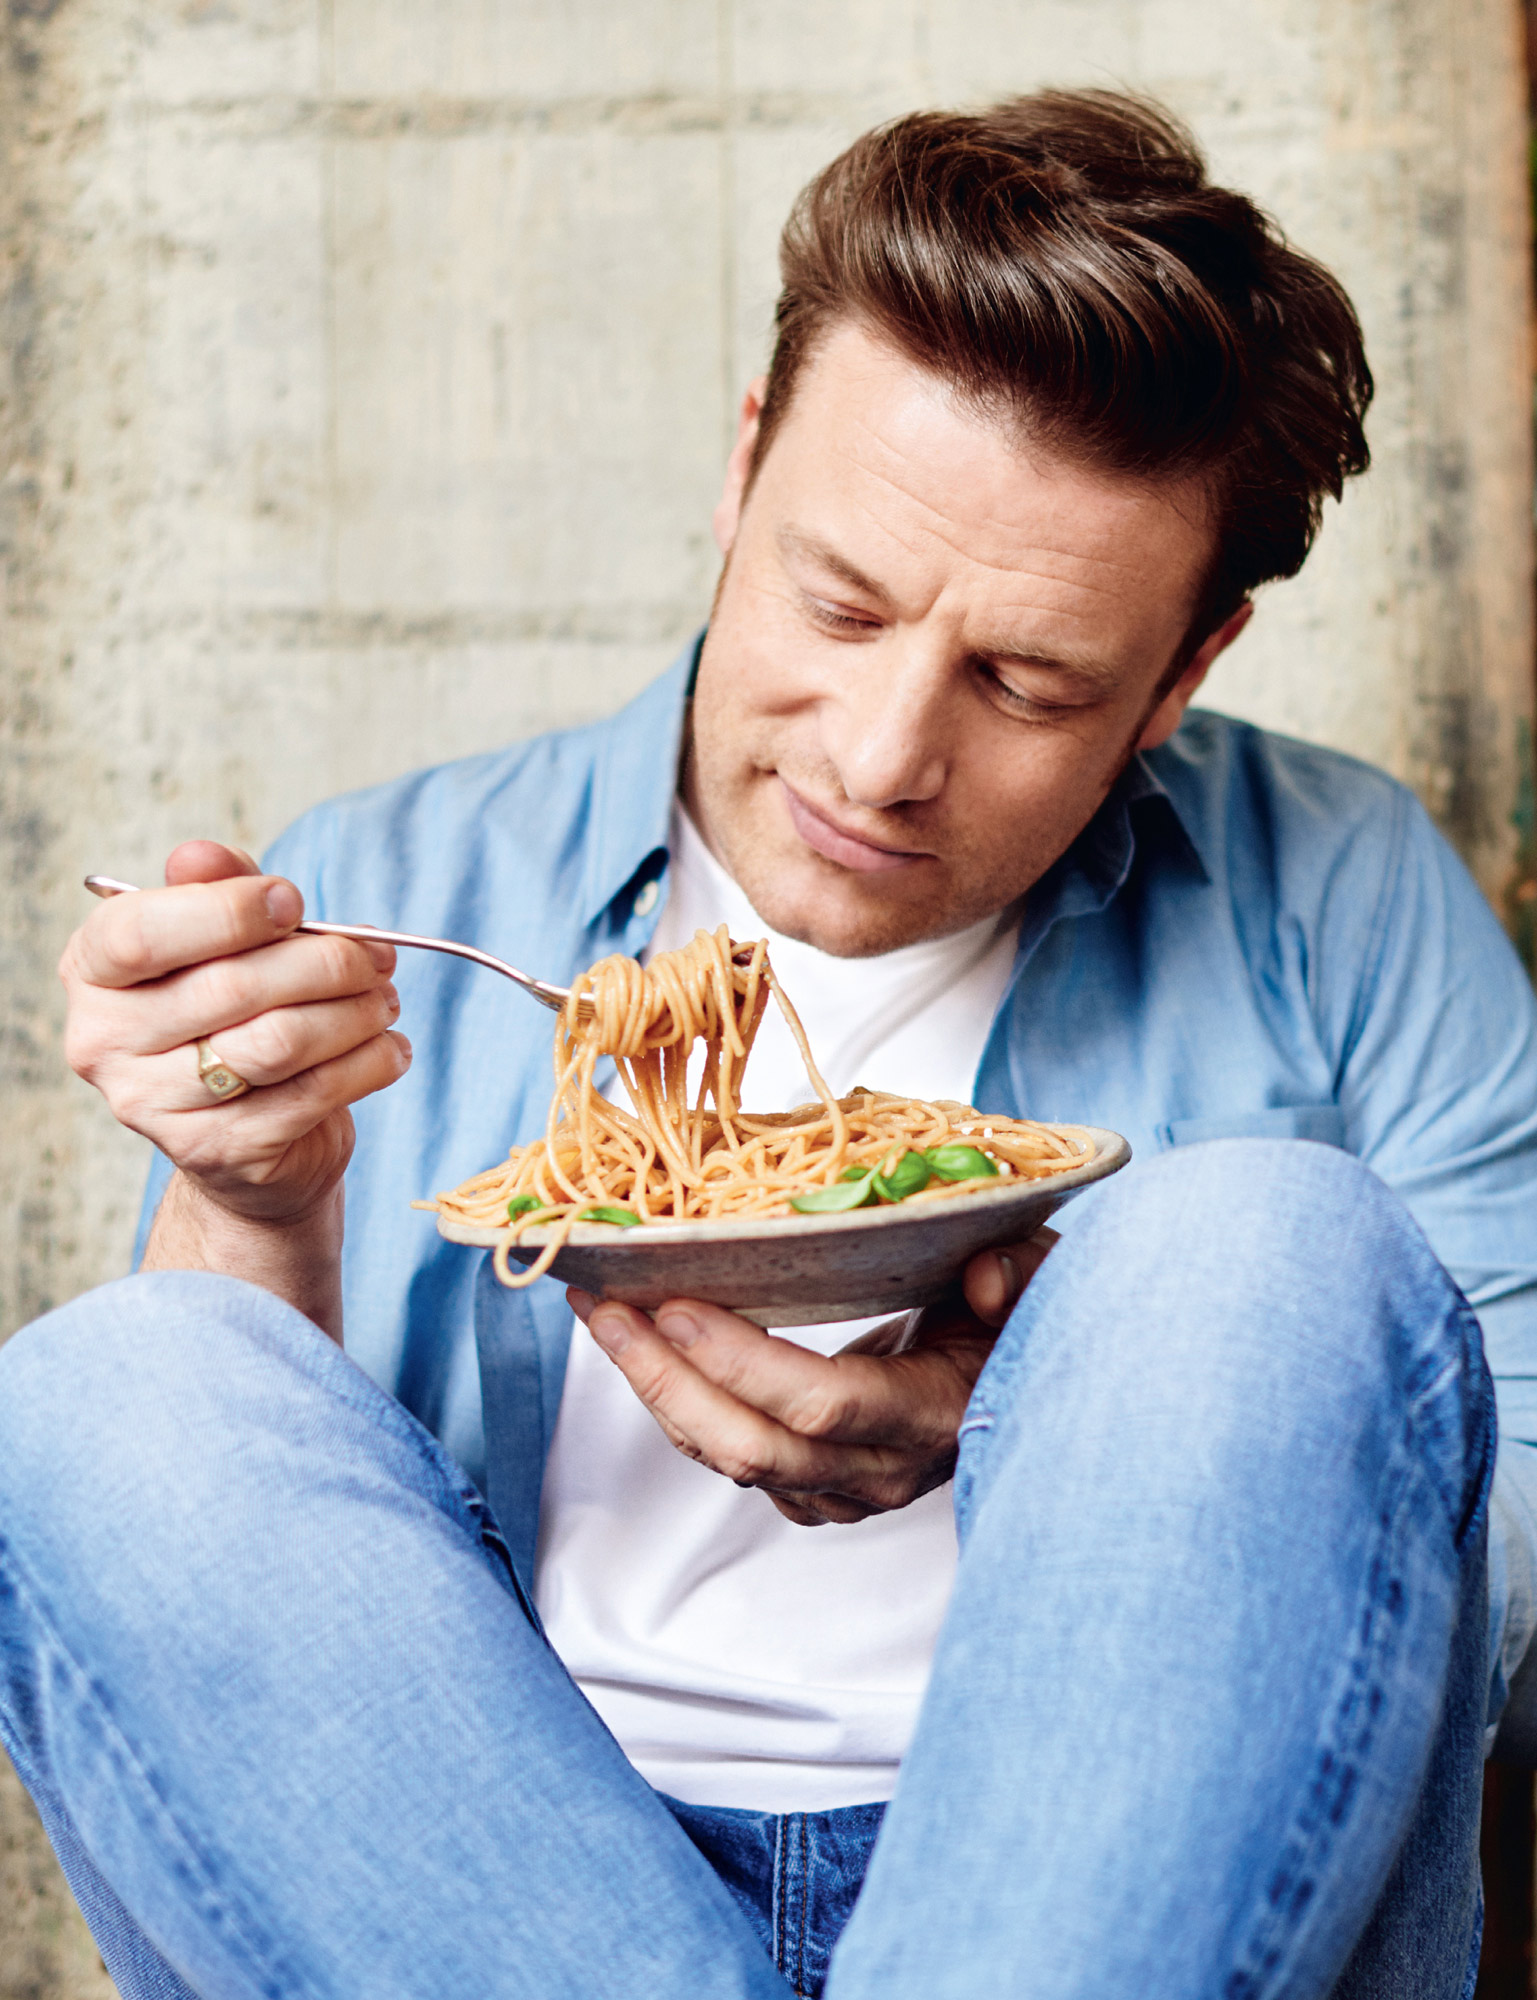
<point x="885" y="728"/>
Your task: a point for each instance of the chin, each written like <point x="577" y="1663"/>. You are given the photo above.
<point x="837" y="918"/>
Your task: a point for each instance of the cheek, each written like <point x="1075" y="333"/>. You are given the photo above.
<point x="732" y="727"/>
<point x="753" y="687"/>
<point x="1043" y="786"/>
<point x="772" y="660"/>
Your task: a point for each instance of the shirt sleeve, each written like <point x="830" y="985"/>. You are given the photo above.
<point x="1439" y="1088"/>
<point x="298" y="854"/>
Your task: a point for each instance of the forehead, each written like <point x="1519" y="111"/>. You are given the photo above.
<point x="879" y="459"/>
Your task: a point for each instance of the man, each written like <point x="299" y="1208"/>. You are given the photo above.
<point x="1201" y="1705"/>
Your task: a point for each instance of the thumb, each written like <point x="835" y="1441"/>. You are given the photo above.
<point x="994" y="1279"/>
<point x="206" y="861"/>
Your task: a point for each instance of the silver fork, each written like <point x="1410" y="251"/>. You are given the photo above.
<point x="554" y="997"/>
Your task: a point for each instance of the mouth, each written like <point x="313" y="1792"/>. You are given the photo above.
<point x="836" y="843"/>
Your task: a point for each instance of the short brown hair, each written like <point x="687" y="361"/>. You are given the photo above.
<point x="1064" y="259"/>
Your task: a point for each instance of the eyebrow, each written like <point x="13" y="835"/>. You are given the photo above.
<point x="794" y="542"/>
<point x="1091" y="674"/>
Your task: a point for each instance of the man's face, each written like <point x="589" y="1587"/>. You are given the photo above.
<point x="933" y="649"/>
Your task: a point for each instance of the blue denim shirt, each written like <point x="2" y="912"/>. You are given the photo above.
<point x="1252" y="936"/>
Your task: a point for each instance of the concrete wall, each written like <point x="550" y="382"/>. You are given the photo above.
<point x="366" y="368"/>
<point x="46" y="1951"/>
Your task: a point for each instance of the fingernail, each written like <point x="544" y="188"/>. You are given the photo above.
<point x="391" y="1000"/>
<point x="1013" y="1282"/>
<point x="285" y="905"/>
<point x="610" y="1328"/>
<point x="580" y="1302"/>
<point x="680" y="1326"/>
<point x="401" y="1042"/>
<point x="382" y="955"/>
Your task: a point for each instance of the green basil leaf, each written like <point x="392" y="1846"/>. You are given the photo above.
<point x="853" y="1173"/>
<point x="960" y="1163"/>
<point x="910" y="1173"/>
<point x="620" y="1217"/>
<point x="840" y="1196"/>
<point x="521" y="1204"/>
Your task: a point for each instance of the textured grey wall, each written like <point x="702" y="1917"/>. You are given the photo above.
<point x="46" y="1952"/>
<point x="366" y="368"/>
<point x="371" y="366"/>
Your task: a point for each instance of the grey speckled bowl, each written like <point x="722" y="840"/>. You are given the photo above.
<point x="803" y="1269"/>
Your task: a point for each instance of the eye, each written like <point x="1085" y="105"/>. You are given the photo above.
<point x="836" y="618"/>
<point x="1028" y="707"/>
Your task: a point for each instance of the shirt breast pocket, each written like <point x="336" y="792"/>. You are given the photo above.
<point x="1324" y="1124"/>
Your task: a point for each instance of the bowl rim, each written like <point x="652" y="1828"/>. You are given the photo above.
<point x="1111" y="1152"/>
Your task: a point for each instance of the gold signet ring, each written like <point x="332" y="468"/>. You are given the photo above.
<point x="219" y="1079"/>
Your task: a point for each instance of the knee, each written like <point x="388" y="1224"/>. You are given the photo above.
<point x="108" y="1400"/>
<point x="1274" y="1243"/>
<point x="1256" y="1202"/>
<point x="1247" y="1301"/>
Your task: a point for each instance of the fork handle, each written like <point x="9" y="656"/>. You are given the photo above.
<point x="553" y="997"/>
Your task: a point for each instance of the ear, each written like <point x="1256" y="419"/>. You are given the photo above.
<point x="1169" y="713"/>
<point x="728" y="509"/>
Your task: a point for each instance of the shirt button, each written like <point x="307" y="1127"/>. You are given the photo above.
<point x="645" y="902"/>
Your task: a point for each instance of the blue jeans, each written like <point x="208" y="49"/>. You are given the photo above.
<point x="1205" y="1718"/>
<point x="793" y="1875"/>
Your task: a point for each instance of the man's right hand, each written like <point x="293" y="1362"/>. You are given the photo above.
<point x="307" y="1021"/>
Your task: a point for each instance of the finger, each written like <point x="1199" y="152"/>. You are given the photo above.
<point x="908" y="1400"/>
<point x="266" y="1051"/>
<point x="282" y="1044"/>
<point x="265" y="1122"/>
<point x="994" y="1279"/>
<point x="156" y="931"/>
<point x="732" y="1437"/>
<point x="206" y="861"/>
<point x="992" y="1282"/>
<point x="223" y="993"/>
<point x="299" y="1105"/>
<point x="798" y="1512"/>
<point x="890" y="1337"/>
<point x="821" y="1510"/>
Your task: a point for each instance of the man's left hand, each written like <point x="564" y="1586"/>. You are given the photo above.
<point x="828" y="1438"/>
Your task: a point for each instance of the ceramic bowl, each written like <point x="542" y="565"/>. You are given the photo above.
<point x="800" y="1270"/>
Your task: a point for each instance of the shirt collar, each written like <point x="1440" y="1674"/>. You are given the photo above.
<point x="635" y="778"/>
<point x="1138" y="816"/>
<point x="1151" y="816"/>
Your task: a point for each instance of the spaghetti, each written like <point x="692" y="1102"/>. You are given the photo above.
<point x="673" y="1158"/>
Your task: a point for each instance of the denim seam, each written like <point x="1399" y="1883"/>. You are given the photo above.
<point x="366" y="1399"/>
<point x="1464" y="1518"/>
<point x="1467" y="1509"/>
<point x="1475" y="1512"/>
<point x="159" y="1822"/>
<point x="360" y="1394"/>
<point x="1476" y="1952"/>
<point x="1333" y="1786"/>
<point x="331" y="1370"/>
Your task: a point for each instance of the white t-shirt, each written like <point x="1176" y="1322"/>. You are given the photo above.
<point x="738" y="1659"/>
